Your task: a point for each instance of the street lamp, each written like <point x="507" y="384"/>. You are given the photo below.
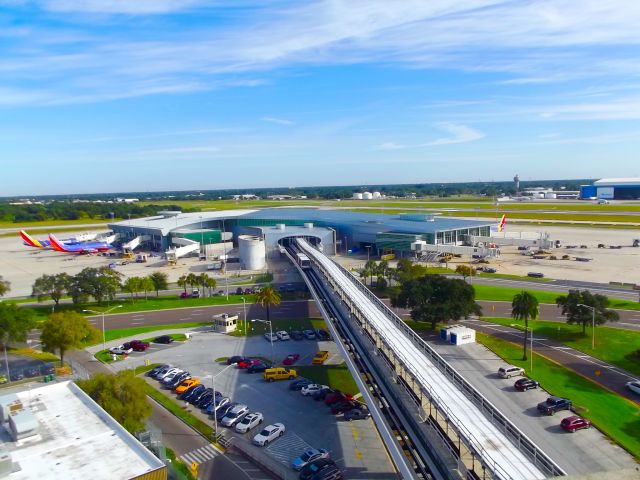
<point x="104" y="338"/>
<point x="226" y="260"/>
<point x="244" y="309"/>
<point x="593" y="323"/>
<point x="368" y="247"/>
<point x="215" y="407"/>
<point x="270" y="333"/>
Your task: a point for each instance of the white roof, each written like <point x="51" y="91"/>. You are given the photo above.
<point x="610" y="182"/>
<point x="77" y="440"/>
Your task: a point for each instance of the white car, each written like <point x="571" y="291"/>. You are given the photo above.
<point x="170" y="376"/>
<point x="120" y="350"/>
<point x="308" y="456"/>
<point x="282" y="335"/>
<point x="164" y="375"/>
<point x="234" y="415"/>
<point x="249" y="421"/>
<point x="311" y="389"/>
<point x="634" y="386"/>
<point x="271" y="337"/>
<point x="269" y="434"/>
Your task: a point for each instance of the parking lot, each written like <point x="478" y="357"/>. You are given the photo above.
<point x="355" y="446"/>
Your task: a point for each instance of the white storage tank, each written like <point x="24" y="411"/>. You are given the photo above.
<point x="377" y="195"/>
<point x="367" y="196"/>
<point x="357" y="196"/>
<point x="551" y="195"/>
<point x="252" y="252"/>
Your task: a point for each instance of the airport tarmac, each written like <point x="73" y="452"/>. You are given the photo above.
<point x="21" y="265"/>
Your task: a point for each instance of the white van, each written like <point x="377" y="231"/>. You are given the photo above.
<point x="509" y="371"/>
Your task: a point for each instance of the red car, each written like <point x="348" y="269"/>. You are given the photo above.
<point x="291" y="359"/>
<point x="184" y="295"/>
<point x="248" y="362"/>
<point x="574" y="422"/>
<point x="136" y="345"/>
<point x="335" y="397"/>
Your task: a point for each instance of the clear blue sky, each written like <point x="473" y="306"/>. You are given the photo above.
<point x="143" y="95"/>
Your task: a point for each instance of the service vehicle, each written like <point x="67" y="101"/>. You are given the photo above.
<point x="278" y="373"/>
<point x="320" y="357"/>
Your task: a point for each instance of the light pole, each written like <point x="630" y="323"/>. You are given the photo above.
<point x="531" y="350"/>
<point x="244" y="309"/>
<point x="270" y="334"/>
<point x="215" y="407"/>
<point x="593" y="323"/>
<point x="226" y="262"/>
<point x="368" y="247"/>
<point x="346" y="248"/>
<point x="104" y="338"/>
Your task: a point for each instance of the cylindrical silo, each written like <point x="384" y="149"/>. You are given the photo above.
<point x="367" y="196"/>
<point x="357" y="196"/>
<point x="252" y="252"/>
<point x="551" y="195"/>
<point x="377" y="195"/>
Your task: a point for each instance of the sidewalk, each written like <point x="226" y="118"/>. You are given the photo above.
<point x="606" y="375"/>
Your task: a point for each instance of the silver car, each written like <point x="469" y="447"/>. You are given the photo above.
<point x="234" y="415"/>
<point x="249" y="421"/>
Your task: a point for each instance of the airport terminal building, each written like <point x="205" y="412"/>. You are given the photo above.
<point x="265" y="229"/>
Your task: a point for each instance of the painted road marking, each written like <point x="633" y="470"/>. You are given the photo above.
<point x="200" y="455"/>
<point x="137" y="323"/>
<point x="286" y="448"/>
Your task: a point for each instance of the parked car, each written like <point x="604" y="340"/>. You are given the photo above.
<point x="177" y="380"/>
<point x="309" y="334"/>
<point x="320" y="357"/>
<point x="195" y="398"/>
<point x="329" y="473"/>
<point x="164" y="369"/>
<point x="166" y="339"/>
<point x="335" y="397"/>
<point x="16" y="376"/>
<point x="137" y="345"/>
<point x="299" y="383"/>
<point x="3" y="379"/>
<point x="269" y="434"/>
<point x="258" y="367"/>
<point x="535" y="275"/>
<point x="120" y="350"/>
<point x="251" y="420"/>
<point x="634" y="386"/>
<point x="509" y="371"/>
<point x="322" y="393"/>
<point x="322" y="334"/>
<point x="239" y="291"/>
<point x="168" y="379"/>
<point x="525" y="384"/>
<point x="154" y="371"/>
<point x="312" y="388"/>
<point x="184" y="295"/>
<point x="489" y="270"/>
<point x="278" y="373"/>
<point x="236" y="359"/>
<point x="283" y="336"/>
<point x="192" y="393"/>
<point x="270" y="337"/>
<point x="195" y="293"/>
<point x="553" y="405"/>
<point x="206" y="398"/>
<point x="234" y="415"/>
<point x="31" y="372"/>
<point x="308" y="456"/>
<point x="48" y="369"/>
<point x="247" y="362"/>
<point x="356" y="414"/>
<point x="219" y="407"/>
<point x="291" y="359"/>
<point x="345" y="406"/>
<point x="574" y="422"/>
<point x="297" y="335"/>
<point x="313" y="468"/>
<point x="187" y="384"/>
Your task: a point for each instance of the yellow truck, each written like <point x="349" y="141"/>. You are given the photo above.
<point x="320" y="357"/>
<point x="279" y="373"/>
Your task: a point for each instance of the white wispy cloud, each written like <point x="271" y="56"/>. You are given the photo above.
<point x="525" y="42"/>
<point x="458" y="133"/>
<point x="279" y="121"/>
<point x="390" y="146"/>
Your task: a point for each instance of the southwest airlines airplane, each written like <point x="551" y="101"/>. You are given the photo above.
<point x="70" y="245"/>
<point x="80" y="248"/>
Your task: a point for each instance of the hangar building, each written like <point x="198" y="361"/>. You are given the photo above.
<point x="331" y="230"/>
<point x="612" y="189"/>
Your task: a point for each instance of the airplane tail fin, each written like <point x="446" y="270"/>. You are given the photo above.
<point x="503" y="222"/>
<point x="32" y="242"/>
<point x="55" y="244"/>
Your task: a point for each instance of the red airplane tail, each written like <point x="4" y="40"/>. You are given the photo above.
<point x="55" y="244"/>
<point x="503" y="222"/>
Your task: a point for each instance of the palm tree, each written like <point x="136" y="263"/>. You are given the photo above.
<point x="267" y="297"/>
<point x="211" y="284"/>
<point x="524" y="307"/>
<point x="202" y="281"/>
<point x="192" y="279"/>
<point x="182" y="282"/>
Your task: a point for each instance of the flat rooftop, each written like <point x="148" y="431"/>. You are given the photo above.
<point x="78" y="440"/>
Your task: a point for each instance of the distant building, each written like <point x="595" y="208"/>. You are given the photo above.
<point x="612" y="189"/>
<point x="57" y="431"/>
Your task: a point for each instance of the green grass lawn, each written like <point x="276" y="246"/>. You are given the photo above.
<point x="513" y="277"/>
<point x="178" y="337"/>
<point x="44" y="356"/>
<point x="135" y="331"/>
<point x="506" y="294"/>
<point x="612" y="345"/>
<point x="616" y="416"/>
<point x="335" y="376"/>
